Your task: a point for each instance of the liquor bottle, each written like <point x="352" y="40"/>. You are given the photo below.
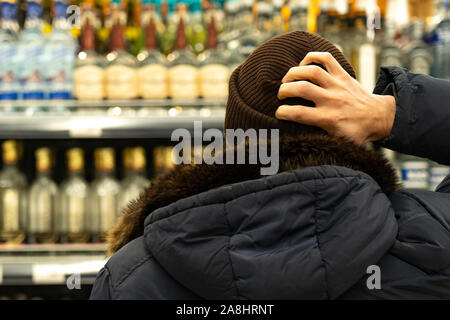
<point x="41" y="226"/>
<point x="195" y="30"/>
<point x="89" y="66"/>
<point x="31" y="49"/>
<point x="298" y="14"/>
<point x="59" y="55"/>
<point x="73" y="201"/>
<point x="390" y="54"/>
<point x="9" y="82"/>
<point x="135" y="182"/>
<point x="183" y="72"/>
<point x="333" y="25"/>
<point x="367" y="60"/>
<point x="13" y="196"/>
<point x="419" y="56"/>
<point x="121" y="72"/>
<point x="104" y="195"/>
<point x="213" y="71"/>
<point x="257" y="33"/>
<point x="441" y="43"/>
<point x="153" y="82"/>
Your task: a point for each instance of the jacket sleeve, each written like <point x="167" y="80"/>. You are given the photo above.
<point x="102" y="288"/>
<point x="422" y="120"/>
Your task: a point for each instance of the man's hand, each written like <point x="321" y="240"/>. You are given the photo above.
<point x="343" y="107"/>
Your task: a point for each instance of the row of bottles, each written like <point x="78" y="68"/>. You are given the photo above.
<point x="188" y="49"/>
<point x="74" y="211"/>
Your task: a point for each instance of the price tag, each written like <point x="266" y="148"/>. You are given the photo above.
<point x="48" y="273"/>
<point x="85" y="132"/>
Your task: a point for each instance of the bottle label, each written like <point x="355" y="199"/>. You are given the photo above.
<point x="11" y="210"/>
<point x="153" y="81"/>
<point x="59" y="73"/>
<point x="8" y="10"/>
<point x="89" y="82"/>
<point x="43" y="216"/>
<point x="121" y="82"/>
<point x="31" y="75"/>
<point x="34" y="9"/>
<point x="107" y="212"/>
<point x="9" y="84"/>
<point x="214" y="81"/>
<point x="183" y="81"/>
<point x="76" y="214"/>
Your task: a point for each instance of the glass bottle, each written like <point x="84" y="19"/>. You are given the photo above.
<point x="31" y="57"/>
<point x="9" y="82"/>
<point x="441" y="43"/>
<point x="89" y="73"/>
<point x="73" y="213"/>
<point x="13" y="196"/>
<point x="104" y="195"/>
<point x="121" y="71"/>
<point x="59" y="55"/>
<point x="43" y="196"/>
<point x="135" y="182"/>
<point x="419" y="56"/>
<point x="213" y="73"/>
<point x="152" y="71"/>
<point x="183" y="72"/>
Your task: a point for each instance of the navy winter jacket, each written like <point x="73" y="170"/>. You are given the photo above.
<point x="309" y="232"/>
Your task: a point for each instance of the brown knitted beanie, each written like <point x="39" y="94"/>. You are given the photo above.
<point x="254" y="85"/>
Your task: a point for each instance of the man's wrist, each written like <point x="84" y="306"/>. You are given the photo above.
<point x="383" y="120"/>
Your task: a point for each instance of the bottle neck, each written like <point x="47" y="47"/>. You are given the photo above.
<point x="181" y="42"/>
<point x="212" y="35"/>
<point x="87" y="38"/>
<point x="75" y="173"/>
<point x="43" y="174"/>
<point x="104" y="173"/>
<point x="33" y="19"/>
<point x="151" y="42"/>
<point x="9" y="165"/>
<point x="117" y="39"/>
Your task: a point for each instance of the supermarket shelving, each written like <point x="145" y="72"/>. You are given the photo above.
<point x="108" y="118"/>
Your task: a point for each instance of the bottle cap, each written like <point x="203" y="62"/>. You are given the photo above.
<point x="75" y="161"/>
<point x="10" y="154"/>
<point x="43" y="159"/>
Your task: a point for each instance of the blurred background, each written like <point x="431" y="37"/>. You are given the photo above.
<point x="91" y="90"/>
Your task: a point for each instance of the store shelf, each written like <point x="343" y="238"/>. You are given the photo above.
<point x="108" y="119"/>
<point x="50" y="264"/>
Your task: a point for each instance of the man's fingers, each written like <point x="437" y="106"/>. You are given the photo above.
<point x="326" y="59"/>
<point x="303" y="89"/>
<point x="312" y="73"/>
<point x="301" y="114"/>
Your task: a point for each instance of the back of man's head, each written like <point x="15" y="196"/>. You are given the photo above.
<point x="254" y="85"/>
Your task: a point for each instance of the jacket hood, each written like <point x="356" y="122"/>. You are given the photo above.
<point x="307" y="233"/>
<point x="223" y="231"/>
<point x="295" y="152"/>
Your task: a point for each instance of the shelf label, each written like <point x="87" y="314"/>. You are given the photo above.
<point x="85" y="132"/>
<point x="48" y="273"/>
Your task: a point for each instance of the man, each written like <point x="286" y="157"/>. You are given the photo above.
<point x="312" y="231"/>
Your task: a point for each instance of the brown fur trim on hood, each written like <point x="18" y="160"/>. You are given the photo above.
<point x="295" y="152"/>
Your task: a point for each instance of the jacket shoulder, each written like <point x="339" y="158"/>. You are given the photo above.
<point x="133" y="273"/>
